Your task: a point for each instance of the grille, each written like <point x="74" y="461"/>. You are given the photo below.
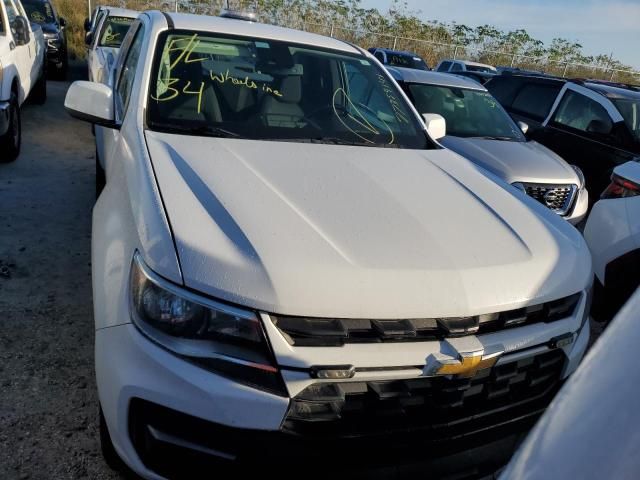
<point x="431" y="403"/>
<point x="558" y="198"/>
<point x="301" y="331"/>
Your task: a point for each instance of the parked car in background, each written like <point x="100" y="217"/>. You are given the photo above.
<point x="455" y="66"/>
<point x="478" y="128"/>
<point x="590" y="124"/>
<point x="613" y="235"/>
<point x="590" y="431"/>
<point x="399" y="58"/>
<point x="53" y="26"/>
<point x="22" y="73"/>
<point x="287" y="269"/>
<point x="105" y="39"/>
<point x="480" y="77"/>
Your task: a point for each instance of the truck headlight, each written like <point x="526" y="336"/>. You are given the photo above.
<point x="580" y="176"/>
<point x="221" y="338"/>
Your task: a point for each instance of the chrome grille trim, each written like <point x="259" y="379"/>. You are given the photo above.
<point x="557" y="197"/>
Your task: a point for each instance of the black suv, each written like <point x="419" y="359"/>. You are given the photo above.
<point x="592" y="124"/>
<point x="43" y="13"/>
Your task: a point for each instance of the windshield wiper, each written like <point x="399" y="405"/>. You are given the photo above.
<point x="208" y="130"/>
<point x="331" y="141"/>
<point x="496" y="137"/>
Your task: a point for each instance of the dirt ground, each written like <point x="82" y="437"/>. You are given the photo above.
<point x="48" y="405"/>
<point x="48" y="408"/>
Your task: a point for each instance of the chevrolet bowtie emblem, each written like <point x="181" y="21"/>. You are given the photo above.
<point x="464" y="364"/>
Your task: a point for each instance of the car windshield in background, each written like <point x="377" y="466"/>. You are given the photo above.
<point x="477" y="68"/>
<point x="630" y="111"/>
<point x="468" y="113"/>
<point x="114" y="30"/>
<point x="39" y="12"/>
<point x="407" y="61"/>
<point x="272" y="90"/>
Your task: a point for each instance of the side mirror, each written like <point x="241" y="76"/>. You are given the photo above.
<point x="524" y="127"/>
<point x="87" y="24"/>
<point x="21" y="30"/>
<point x="600" y="127"/>
<point x="91" y="102"/>
<point x="63" y="22"/>
<point x="629" y="171"/>
<point x="88" y="38"/>
<point x="436" y="125"/>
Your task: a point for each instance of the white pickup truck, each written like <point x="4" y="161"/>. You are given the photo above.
<point x="22" y="73"/>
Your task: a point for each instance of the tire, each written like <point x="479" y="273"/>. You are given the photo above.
<point x="109" y="453"/>
<point x="101" y="178"/>
<point x="39" y="93"/>
<point x="10" y="142"/>
<point x="61" y="72"/>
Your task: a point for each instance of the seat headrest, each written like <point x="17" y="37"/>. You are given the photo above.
<point x="291" y="89"/>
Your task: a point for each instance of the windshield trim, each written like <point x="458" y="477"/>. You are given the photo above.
<point x="152" y="125"/>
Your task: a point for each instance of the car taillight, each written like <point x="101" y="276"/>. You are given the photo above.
<point x="620" y="188"/>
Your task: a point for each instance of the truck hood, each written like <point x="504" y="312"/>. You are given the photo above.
<point x="514" y="161"/>
<point x="358" y="232"/>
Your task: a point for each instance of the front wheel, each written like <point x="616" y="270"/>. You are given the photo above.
<point x="11" y="140"/>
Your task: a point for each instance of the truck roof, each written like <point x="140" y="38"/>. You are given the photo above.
<point x="230" y="26"/>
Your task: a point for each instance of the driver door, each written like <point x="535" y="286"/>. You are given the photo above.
<point x="122" y="82"/>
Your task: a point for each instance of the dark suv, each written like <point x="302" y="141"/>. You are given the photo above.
<point x="594" y="125"/>
<point x="43" y="13"/>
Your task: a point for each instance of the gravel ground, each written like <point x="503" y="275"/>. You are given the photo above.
<point x="48" y="404"/>
<point x="48" y="408"/>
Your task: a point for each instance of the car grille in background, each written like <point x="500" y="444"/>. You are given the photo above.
<point x="301" y="331"/>
<point x="435" y="403"/>
<point x="558" y="198"/>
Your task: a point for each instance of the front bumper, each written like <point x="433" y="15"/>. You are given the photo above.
<point x="580" y="207"/>
<point x="5" y="109"/>
<point x="56" y="55"/>
<point x="163" y="412"/>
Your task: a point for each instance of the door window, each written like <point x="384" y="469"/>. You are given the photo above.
<point x="535" y="100"/>
<point x="128" y="70"/>
<point x="12" y="12"/>
<point x="456" y="67"/>
<point x="444" y="67"/>
<point x="580" y="112"/>
<point x="380" y="56"/>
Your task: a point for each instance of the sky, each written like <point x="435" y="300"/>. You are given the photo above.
<point x="610" y="26"/>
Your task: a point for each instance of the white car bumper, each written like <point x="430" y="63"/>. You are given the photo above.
<point x="137" y="378"/>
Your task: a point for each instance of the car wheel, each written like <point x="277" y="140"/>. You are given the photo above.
<point x="109" y="453"/>
<point x="101" y="178"/>
<point x="39" y="93"/>
<point x="10" y="141"/>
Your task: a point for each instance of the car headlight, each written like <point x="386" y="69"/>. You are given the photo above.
<point x="580" y="176"/>
<point x="221" y="338"/>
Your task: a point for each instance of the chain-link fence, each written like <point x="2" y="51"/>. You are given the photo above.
<point x="430" y="48"/>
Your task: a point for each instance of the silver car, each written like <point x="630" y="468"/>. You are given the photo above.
<point x="478" y="128"/>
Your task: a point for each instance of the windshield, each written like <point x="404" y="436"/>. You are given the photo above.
<point x="113" y="31"/>
<point x="39" y="12"/>
<point x="407" y="61"/>
<point x="629" y="108"/>
<point x="468" y="113"/>
<point x="478" y="68"/>
<point x="273" y="90"/>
